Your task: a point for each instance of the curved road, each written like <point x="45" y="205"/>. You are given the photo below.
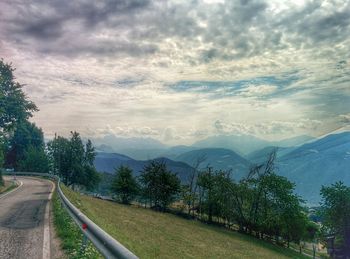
<point x="24" y="226"/>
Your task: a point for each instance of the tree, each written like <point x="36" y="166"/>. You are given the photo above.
<point x="35" y="160"/>
<point x="124" y="185"/>
<point x="73" y="162"/>
<point x="207" y="181"/>
<point x="26" y="135"/>
<point x="1" y="163"/>
<point x="160" y="186"/>
<point x="14" y="104"/>
<point x="59" y="152"/>
<point x="335" y="209"/>
<point x="189" y="192"/>
<point x="76" y="156"/>
<point x="90" y="153"/>
<point x="14" y="107"/>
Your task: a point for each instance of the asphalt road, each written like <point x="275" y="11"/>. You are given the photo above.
<point x="23" y="222"/>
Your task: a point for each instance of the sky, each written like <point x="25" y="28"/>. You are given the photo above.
<point x="180" y="71"/>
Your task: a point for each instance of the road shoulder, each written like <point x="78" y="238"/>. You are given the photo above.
<point x="56" y="244"/>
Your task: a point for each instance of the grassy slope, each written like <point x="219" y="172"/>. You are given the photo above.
<point x="152" y="234"/>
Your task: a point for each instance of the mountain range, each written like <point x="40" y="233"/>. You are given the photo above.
<point x="108" y="162"/>
<point x="317" y="162"/>
<point x="321" y="162"/>
<point x="148" y="148"/>
<point x="218" y="159"/>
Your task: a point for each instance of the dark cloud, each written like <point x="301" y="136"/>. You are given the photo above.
<point x="316" y="25"/>
<point x="227" y="31"/>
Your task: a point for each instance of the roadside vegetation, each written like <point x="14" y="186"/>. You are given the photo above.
<point x="70" y="234"/>
<point x="263" y="204"/>
<point x="7" y="186"/>
<point x="150" y="234"/>
<point x="335" y="211"/>
<point x="73" y="161"/>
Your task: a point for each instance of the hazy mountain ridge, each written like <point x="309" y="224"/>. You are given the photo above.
<point x="149" y="148"/>
<point x="321" y="162"/>
<point x="108" y="162"/>
<point x="318" y="162"/>
<point x="218" y="159"/>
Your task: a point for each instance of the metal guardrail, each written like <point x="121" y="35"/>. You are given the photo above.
<point x="107" y="245"/>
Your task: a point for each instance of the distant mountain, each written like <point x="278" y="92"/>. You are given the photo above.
<point x="261" y="155"/>
<point x="321" y="162"/>
<point x="120" y="143"/>
<point x="246" y="144"/>
<point x="219" y="159"/>
<point x="294" y="141"/>
<point x="142" y="154"/>
<point x="137" y="148"/>
<point x="175" y="151"/>
<point x="241" y="144"/>
<point x="148" y="148"/>
<point x="107" y="162"/>
<point x="104" y="148"/>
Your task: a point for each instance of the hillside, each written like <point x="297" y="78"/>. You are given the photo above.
<point x="107" y="162"/>
<point x="151" y="234"/>
<point x="219" y="159"/>
<point x="321" y="162"/>
<point x="241" y="144"/>
<point x="260" y="156"/>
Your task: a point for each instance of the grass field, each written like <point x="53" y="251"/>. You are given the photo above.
<point x="151" y="234"/>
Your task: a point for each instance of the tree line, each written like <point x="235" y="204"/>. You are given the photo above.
<point x="262" y="204"/>
<point x="73" y="161"/>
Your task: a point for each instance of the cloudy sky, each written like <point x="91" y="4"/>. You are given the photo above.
<point x="179" y="71"/>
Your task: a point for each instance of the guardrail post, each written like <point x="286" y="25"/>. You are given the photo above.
<point x="83" y="244"/>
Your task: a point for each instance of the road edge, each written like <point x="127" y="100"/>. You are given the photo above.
<point x="46" y="239"/>
<point x="13" y="190"/>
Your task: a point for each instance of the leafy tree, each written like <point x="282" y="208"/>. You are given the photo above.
<point x="213" y="193"/>
<point x="124" y="185"/>
<point x="35" y="160"/>
<point x="26" y="135"/>
<point x="336" y="215"/>
<point x="14" y="107"/>
<point x="90" y="153"/>
<point x="1" y="164"/>
<point x="160" y="186"/>
<point x="91" y="178"/>
<point x="14" y="104"/>
<point x="58" y="150"/>
<point x="189" y="192"/>
<point x="73" y="162"/>
<point x="76" y="156"/>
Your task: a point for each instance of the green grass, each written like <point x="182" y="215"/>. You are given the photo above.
<point x="69" y="233"/>
<point x="151" y="234"/>
<point x="7" y="187"/>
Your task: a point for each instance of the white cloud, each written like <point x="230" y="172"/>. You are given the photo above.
<point x="258" y="90"/>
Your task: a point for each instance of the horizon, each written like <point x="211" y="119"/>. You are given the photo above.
<point x="181" y="71"/>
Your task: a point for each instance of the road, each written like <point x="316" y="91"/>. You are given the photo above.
<point x="24" y="223"/>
